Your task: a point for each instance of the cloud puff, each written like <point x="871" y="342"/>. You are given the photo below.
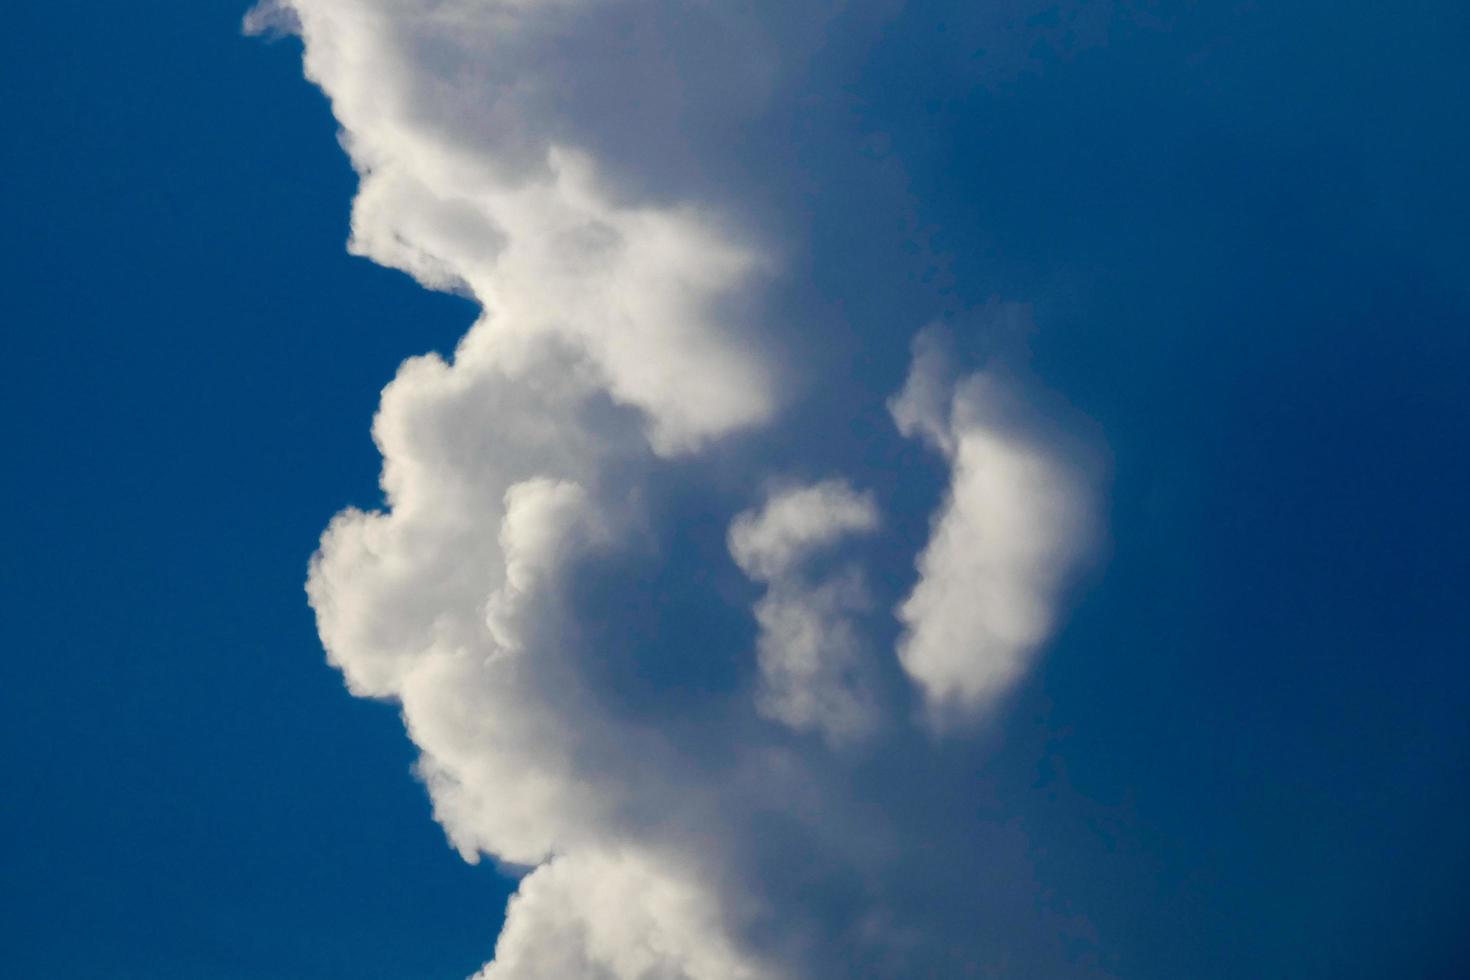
<point x="772" y="815"/>
<point x="458" y="119"/>
<point x="1019" y="520"/>
<point x="613" y="915"/>
<point x="811" y="650"/>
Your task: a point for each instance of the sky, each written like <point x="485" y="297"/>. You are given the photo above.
<point x="899" y="489"/>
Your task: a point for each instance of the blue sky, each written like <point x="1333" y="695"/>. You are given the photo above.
<point x="1240" y="237"/>
<point x="193" y="795"/>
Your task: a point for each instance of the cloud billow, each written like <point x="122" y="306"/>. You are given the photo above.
<point x="572" y="166"/>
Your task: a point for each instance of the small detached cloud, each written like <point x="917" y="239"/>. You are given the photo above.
<point x="1019" y="521"/>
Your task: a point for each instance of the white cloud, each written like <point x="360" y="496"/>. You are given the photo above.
<point x="1018" y="521"/>
<point x="612" y="335"/>
<point x="456" y="119"/>
<point x="813" y="657"/>
<point x="544" y="520"/>
<point x="608" y="916"/>
<point x="794" y="523"/>
<point x="553" y="160"/>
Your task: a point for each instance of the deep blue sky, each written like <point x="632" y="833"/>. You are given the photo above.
<point x="191" y="361"/>
<point x="1245" y="235"/>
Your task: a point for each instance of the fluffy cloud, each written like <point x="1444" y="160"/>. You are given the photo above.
<point x="460" y="119"/>
<point x="1018" y="522"/>
<point x="706" y="776"/>
<point x="811" y="651"/>
<point x="607" y="916"/>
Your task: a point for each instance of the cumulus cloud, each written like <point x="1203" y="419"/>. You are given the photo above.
<point x="1018" y="521"/>
<point x="565" y="163"/>
<point x="612" y="915"/>
<point x="811" y="650"/>
<point x="458" y="118"/>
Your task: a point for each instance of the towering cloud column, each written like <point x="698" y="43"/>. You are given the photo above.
<point x="704" y="775"/>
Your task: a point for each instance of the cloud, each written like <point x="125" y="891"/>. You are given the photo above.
<point x="458" y="119"/>
<point x="811" y="650"/>
<point x="609" y="916"/>
<point x="702" y="774"/>
<point x="1018" y="522"/>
